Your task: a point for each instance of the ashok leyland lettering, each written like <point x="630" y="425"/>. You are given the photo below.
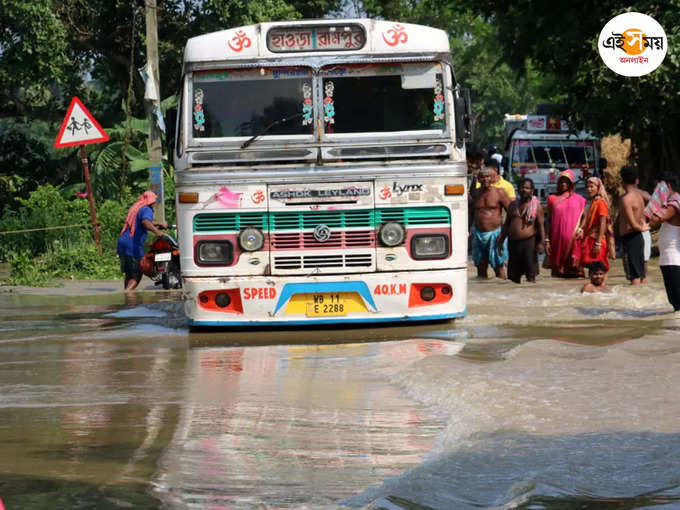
<point x="320" y="175"/>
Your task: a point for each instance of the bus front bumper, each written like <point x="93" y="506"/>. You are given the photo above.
<point x="325" y="299"/>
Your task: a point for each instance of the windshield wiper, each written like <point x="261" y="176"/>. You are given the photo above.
<point x="263" y="131"/>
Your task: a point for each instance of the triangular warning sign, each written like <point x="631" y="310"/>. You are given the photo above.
<point x="79" y="127"/>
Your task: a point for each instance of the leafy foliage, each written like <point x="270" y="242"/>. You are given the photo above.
<point x="35" y="55"/>
<point x="495" y="87"/>
<point x="25" y="161"/>
<point x="39" y="257"/>
<point x="644" y="109"/>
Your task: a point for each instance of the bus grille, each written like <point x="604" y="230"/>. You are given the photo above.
<point x="414" y="216"/>
<point x="304" y="262"/>
<point x="307" y="220"/>
<point x="301" y="220"/>
<point x="351" y="247"/>
<point x="305" y="240"/>
<point x="212" y="222"/>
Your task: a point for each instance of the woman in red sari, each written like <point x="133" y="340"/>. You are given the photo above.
<point x="593" y="234"/>
<point x="564" y="209"/>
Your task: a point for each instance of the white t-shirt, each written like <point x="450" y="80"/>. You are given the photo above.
<point x="499" y="158"/>
<point x="669" y="245"/>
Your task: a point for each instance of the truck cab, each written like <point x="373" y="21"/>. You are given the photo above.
<point x="540" y="147"/>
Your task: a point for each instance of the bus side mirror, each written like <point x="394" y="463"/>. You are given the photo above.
<point x="462" y="107"/>
<point x="170" y="125"/>
<point x="603" y="163"/>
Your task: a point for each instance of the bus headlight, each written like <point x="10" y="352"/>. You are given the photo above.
<point x="430" y="246"/>
<point x="392" y="234"/>
<point x="251" y="239"/>
<point x="214" y="253"/>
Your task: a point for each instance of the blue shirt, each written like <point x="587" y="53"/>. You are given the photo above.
<point x="133" y="246"/>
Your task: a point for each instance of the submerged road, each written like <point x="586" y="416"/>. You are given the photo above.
<point x="540" y="398"/>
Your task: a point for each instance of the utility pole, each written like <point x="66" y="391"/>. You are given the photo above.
<point x="153" y="108"/>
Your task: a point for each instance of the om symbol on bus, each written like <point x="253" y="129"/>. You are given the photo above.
<point x="258" y="197"/>
<point x="397" y="34"/>
<point x="241" y="40"/>
<point x="385" y="193"/>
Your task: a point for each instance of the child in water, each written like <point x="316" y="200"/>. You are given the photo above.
<point x="598" y="277"/>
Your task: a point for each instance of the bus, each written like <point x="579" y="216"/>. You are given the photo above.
<point x="320" y="175"/>
<point x="542" y="146"/>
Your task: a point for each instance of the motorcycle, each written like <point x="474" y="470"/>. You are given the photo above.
<point x="161" y="262"/>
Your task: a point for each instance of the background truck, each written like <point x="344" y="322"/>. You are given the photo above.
<point x="541" y="146"/>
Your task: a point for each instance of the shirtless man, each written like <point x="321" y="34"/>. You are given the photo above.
<point x="489" y="204"/>
<point x="475" y="162"/>
<point x="598" y="278"/>
<point x="525" y="232"/>
<point x="631" y="224"/>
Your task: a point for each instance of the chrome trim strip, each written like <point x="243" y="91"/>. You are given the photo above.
<point x="210" y="176"/>
<point x="315" y="62"/>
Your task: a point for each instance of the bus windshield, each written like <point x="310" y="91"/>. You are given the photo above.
<point x="244" y="102"/>
<point x="383" y="97"/>
<point x="557" y="153"/>
<point x="356" y="98"/>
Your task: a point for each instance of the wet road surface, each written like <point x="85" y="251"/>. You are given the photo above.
<point x="539" y="398"/>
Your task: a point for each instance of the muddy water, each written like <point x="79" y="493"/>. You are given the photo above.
<point x="540" y="398"/>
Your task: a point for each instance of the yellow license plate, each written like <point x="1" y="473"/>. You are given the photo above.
<point x="326" y="304"/>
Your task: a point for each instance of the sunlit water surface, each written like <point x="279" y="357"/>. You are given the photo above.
<point x="540" y="398"/>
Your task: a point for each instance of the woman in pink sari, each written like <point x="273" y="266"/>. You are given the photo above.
<point x="564" y="209"/>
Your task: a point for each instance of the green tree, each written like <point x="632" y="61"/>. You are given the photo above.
<point x="645" y="109"/>
<point x="35" y="56"/>
<point x="51" y="50"/>
<point x="51" y="47"/>
<point x="495" y="86"/>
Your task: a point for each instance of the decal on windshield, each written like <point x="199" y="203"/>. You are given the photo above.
<point x="328" y="106"/>
<point x="307" y="104"/>
<point x="199" y="115"/>
<point x="438" y="107"/>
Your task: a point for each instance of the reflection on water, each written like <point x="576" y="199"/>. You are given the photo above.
<point x="83" y="418"/>
<point x="540" y="398"/>
<point x="293" y="425"/>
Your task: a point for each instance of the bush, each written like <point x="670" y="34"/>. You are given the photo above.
<point x="25" y="271"/>
<point x="45" y="207"/>
<point x="80" y="261"/>
<point x="38" y="258"/>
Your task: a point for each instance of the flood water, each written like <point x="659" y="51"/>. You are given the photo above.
<point x="540" y="398"/>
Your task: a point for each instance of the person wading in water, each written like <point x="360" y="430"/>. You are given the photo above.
<point x="594" y="234"/>
<point x="631" y="225"/>
<point x="489" y="203"/>
<point x="564" y="211"/>
<point x="138" y="222"/>
<point x="525" y="232"/>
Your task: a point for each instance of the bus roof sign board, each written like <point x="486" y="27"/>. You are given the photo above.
<point x="316" y="38"/>
<point x="79" y="127"/>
